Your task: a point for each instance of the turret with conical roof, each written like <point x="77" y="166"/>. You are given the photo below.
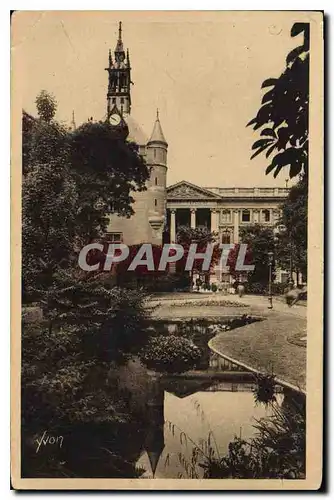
<point x="157" y="134"/>
<point x="156" y="157"/>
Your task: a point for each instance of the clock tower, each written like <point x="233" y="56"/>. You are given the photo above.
<point x="119" y="70"/>
<point x="147" y="223"/>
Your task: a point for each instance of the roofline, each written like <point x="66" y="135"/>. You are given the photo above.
<point x="212" y="195"/>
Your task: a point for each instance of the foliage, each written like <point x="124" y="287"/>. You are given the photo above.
<point x="277" y="450"/>
<point x="106" y="170"/>
<point x="87" y="324"/>
<point x="93" y="326"/>
<point x="168" y="283"/>
<point x="260" y="241"/>
<point x="283" y="116"/>
<point x="111" y="320"/>
<point x="214" y="287"/>
<point x="48" y="225"/>
<point x="264" y="391"/>
<point x="65" y="380"/>
<point x="291" y="241"/>
<point x="71" y="182"/>
<point x="171" y="354"/>
<point x="203" y="237"/>
<point x="46" y="106"/>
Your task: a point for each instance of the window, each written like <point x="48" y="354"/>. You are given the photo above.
<point x="122" y="100"/>
<point x="114" y="237"/>
<point x="156" y="181"/>
<point x="155" y="202"/>
<point x="265" y="216"/>
<point x="245" y="216"/>
<point x="114" y="100"/>
<point x="226" y="237"/>
<point x="154" y="153"/>
<point x="226" y="216"/>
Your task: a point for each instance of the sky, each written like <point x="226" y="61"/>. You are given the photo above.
<point x="202" y="70"/>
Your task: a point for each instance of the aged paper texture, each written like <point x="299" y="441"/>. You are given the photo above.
<point x="167" y="250"/>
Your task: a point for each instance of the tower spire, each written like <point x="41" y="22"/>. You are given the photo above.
<point x="73" y="125"/>
<point x="119" y="45"/>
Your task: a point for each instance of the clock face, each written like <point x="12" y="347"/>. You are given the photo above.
<point x="115" y="119"/>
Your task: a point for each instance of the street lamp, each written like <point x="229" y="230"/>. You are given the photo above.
<point x="291" y="263"/>
<point x="270" y="262"/>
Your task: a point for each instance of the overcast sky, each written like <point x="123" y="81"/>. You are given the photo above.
<point x="203" y="71"/>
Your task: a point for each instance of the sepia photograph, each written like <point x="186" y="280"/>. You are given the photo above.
<point x="167" y="267"/>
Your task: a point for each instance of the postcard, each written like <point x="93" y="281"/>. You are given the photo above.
<point x="167" y="250"/>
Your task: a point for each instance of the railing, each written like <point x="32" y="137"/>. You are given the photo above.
<point x="255" y="191"/>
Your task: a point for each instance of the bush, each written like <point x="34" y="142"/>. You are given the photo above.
<point x="170" y="354"/>
<point x="214" y="287"/>
<point x="279" y="288"/>
<point x="165" y="283"/>
<point x="257" y="288"/>
<point x="262" y="288"/>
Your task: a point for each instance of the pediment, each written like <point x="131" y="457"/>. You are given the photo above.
<point x="186" y="191"/>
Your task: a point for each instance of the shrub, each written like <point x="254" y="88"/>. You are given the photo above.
<point x="165" y="282"/>
<point x="214" y="287"/>
<point x="170" y="354"/>
<point x="279" y="288"/>
<point x="262" y="288"/>
<point x="257" y="288"/>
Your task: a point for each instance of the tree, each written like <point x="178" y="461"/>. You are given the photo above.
<point x="71" y="182"/>
<point x="283" y="116"/>
<point x="260" y="241"/>
<point x="46" y="106"/>
<point x="49" y="203"/>
<point x="291" y="244"/>
<point x="107" y="170"/>
<point x="202" y="236"/>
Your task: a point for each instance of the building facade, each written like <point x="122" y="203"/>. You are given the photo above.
<point x="160" y="210"/>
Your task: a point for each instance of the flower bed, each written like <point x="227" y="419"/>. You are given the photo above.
<point x="211" y="303"/>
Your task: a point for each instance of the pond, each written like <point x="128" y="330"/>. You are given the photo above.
<point x="211" y="417"/>
<point x="198" y="410"/>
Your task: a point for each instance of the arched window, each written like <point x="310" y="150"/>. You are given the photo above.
<point x="154" y="153"/>
<point x="156" y="181"/>
<point x="155" y="202"/>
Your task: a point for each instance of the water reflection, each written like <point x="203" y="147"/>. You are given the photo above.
<point x="188" y="422"/>
<point x="182" y="413"/>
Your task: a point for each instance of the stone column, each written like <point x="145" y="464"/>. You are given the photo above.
<point x="214" y="220"/>
<point x="193" y="218"/>
<point x="236" y="225"/>
<point x="276" y="215"/>
<point x="256" y="215"/>
<point x="173" y="226"/>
